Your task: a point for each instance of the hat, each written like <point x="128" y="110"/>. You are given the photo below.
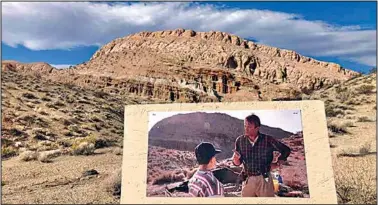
<point x="205" y="151"/>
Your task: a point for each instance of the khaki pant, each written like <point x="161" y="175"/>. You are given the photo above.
<point x="256" y="186"/>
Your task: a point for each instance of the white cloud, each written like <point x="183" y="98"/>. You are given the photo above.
<point x="61" y="66"/>
<point x="65" y="25"/>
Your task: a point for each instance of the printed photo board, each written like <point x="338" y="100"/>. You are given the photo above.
<point x="159" y="157"/>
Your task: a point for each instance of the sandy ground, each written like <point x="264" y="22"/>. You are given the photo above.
<point x="60" y="181"/>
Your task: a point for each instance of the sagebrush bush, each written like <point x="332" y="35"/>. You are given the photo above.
<point x="365" y="89"/>
<point x="337" y="128"/>
<point x="364" y="119"/>
<point x="365" y="148"/>
<point x="28" y="156"/>
<point x="355" y="180"/>
<point x="8" y="152"/>
<point x="117" y="151"/>
<point x="113" y="184"/>
<point x="83" y="148"/>
<point x="48" y="155"/>
<point x="333" y="112"/>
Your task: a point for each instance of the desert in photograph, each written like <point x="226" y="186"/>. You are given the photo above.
<point x="173" y="137"/>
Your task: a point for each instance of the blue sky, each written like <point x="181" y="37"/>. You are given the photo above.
<point x="65" y="33"/>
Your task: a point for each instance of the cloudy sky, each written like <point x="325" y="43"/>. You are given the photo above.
<point x="68" y="33"/>
<point x="289" y="120"/>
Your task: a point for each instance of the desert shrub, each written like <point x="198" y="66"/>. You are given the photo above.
<point x="28" y="156"/>
<point x="48" y="155"/>
<point x="65" y="142"/>
<point x="113" y="183"/>
<point x="342" y="107"/>
<point x="337" y="128"/>
<point x="5" y="142"/>
<point x="344" y="96"/>
<point x="42" y="112"/>
<point x="51" y="105"/>
<point x="46" y="99"/>
<point x="7" y="152"/>
<point x="3" y="183"/>
<point x="29" y="96"/>
<point x="83" y="148"/>
<point x="365" y="148"/>
<point x="365" y="89"/>
<point x="355" y="180"/>
<point x="348" y="124"/>
<point x="46" y="145"/>
<point x="117" y="151"/>
<point x="100" y="143"/>
<point x="100" y="94"/>
<point x="15" y="132"/>
<point x="352" y="102"/>
<point x="58" y="103"/>
<point x="332" y="111"/>
<point x="70" y="99"/>
<point x="168" y="177"/>
<point x="364" y="119"/>
<point x="66" y="122"/>
<point x="73" y="128"/>
<point x="340" y="89"/>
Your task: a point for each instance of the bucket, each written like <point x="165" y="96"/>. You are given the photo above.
<point x="276" y="185"/>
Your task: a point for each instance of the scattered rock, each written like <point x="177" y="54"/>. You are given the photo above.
<point x="90" y="173"/>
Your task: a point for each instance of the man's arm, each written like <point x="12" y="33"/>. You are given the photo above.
<point x="236" y="157"/>
<point x="280" y="147"/>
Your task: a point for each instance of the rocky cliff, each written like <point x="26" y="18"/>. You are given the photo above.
<point x="189" y="66"/>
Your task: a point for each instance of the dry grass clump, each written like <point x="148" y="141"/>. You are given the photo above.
<point x="365" y="89"/>
<point x="365" y="148"/>
<point x="335" y="128"/>
<point x="355" y="180"/>
<point x="364" y="119"/>
<point x="7" y="152"/>
<point x="47" y="156"/>
<point x="332" y="111"/>
<point x="117" y="151"/>
<point x="113" y="183"/>
<point x="28" y="155"/>
<point x="83" y="148"/>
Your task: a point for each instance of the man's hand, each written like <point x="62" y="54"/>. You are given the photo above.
<point x="277" y="165"/>
<point x="236" y="157"/>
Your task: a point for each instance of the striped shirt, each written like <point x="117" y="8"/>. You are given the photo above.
<point x="204" y="184"/>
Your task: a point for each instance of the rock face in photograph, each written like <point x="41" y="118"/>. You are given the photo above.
<point x="185" y="131"/>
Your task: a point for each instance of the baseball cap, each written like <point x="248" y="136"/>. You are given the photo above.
<point x="205" y="151"/>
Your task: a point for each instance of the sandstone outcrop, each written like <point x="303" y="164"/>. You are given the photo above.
<point x="188" y="66"/>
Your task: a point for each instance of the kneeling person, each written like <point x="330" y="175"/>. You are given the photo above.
<point x="203" y="183"/>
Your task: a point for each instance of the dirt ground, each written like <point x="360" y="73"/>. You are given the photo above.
<point x="61" y="181"/>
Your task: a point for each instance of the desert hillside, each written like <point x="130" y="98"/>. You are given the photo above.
<point x="185" y="131"/>
<point x="189" y="66"/>
<point x="351" y="110"/>
<point x="62" y="129"/>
